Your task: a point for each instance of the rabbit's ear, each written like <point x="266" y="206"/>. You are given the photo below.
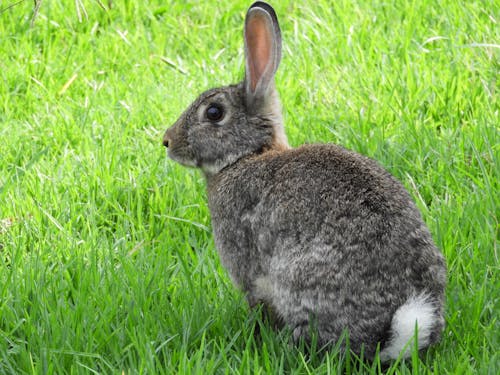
<point x="262" y="51"/>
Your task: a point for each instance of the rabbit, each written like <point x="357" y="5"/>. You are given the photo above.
<point x="324" y="237"/>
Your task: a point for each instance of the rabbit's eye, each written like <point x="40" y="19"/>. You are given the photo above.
<point x="214" y="112"/>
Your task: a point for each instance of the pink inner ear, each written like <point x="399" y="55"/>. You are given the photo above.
<point x="259" y="44"/>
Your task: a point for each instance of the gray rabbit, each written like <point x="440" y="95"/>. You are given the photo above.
<point x="324" y="237"/>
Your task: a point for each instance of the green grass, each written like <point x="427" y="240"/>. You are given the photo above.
<point x="107" y="263"/>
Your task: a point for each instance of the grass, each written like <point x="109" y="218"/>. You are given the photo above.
<point x="107" y="263"/>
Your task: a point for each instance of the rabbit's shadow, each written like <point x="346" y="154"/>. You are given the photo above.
<point x="270" y="331"/>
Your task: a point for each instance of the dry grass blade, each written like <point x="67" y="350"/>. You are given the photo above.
<point x="36" y="10"/>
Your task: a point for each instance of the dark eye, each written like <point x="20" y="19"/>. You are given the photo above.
<point x="215" y="112"/>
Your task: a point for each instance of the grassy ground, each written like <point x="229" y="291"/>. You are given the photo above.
<point x="107" y="262"/>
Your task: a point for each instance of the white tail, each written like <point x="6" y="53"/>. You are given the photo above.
<point x="418" y="310"/>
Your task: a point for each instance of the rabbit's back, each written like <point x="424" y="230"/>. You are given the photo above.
<point x="324" y="230"/>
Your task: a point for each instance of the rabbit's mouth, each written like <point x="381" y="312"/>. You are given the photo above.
<point x="179" y="158"/>
<point x="178" y="149"/>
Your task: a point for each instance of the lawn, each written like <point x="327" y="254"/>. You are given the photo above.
<point x="107" y="261"/>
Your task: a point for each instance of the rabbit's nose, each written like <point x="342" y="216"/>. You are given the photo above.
<point x="166" y="139"/>
<point x="169" y="135"/>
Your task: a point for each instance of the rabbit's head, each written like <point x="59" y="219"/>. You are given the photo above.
<point x="227" y="123"/>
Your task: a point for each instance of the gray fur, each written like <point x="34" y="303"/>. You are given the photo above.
<point x="323" y="236"/>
